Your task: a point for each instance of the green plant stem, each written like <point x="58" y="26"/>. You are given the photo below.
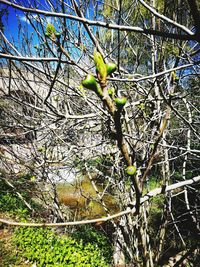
<point x="121" y="143"/>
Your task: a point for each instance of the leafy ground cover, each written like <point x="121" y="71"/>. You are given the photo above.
<point x="42" y="247"/>
<point x="48" y="249"/>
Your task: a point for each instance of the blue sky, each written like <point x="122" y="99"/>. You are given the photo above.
<point x="11" y="26"/>
<point x="11" y="23"/>
<point x="15" y="16"/>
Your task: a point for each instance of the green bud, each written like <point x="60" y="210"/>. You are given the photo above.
<point x="90" y="83"/>
<point x="141" y="106"/>
<point x="100" y="65"/>
<point x="50" y="29"/>
<point x="41" y="149"/>
<point x="33" y="178"/>
<point x="120" y="102"/>
<point x="111" y="67"/>
<point x="131" y="170"/>
<point x="111" y="91"/>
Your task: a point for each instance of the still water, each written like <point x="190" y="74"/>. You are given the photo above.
<point x="81" y="197"/>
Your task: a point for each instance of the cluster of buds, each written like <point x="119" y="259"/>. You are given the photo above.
<point x="103" y="70"/>
<point x="52" y="33"/>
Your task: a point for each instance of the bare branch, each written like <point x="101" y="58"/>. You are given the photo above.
<point x="146" y="197"/>
<point x="153" y="76"/>
<point x="104" y="24"/>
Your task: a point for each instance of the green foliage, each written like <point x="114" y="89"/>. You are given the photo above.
<point x="156" y="208"/>
<point x="88" y="235"/>
<point x="47" y="249"/>
<point x="11" y="203"/>
<point x="93" y="162"/>
<point x="153" y="183"/>
<point x="155" y="217"/>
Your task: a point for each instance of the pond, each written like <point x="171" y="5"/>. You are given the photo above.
<point x="81" y="197"/>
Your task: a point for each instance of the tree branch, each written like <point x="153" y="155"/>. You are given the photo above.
<point x="161" y="16"/>
<point x="104" y="24"/>
<point x="145" y="198"/>
<point x="153" y="76"/>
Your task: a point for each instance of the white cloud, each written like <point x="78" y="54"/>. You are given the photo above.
<point x="24" y="18"/>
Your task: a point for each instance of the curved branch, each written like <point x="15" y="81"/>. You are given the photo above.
<point x="104" y="24"/>
<point x="145" y="198"/>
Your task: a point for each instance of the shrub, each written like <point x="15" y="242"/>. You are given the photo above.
<point x="10" y="203"/>
<point x="88" y="235"/>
